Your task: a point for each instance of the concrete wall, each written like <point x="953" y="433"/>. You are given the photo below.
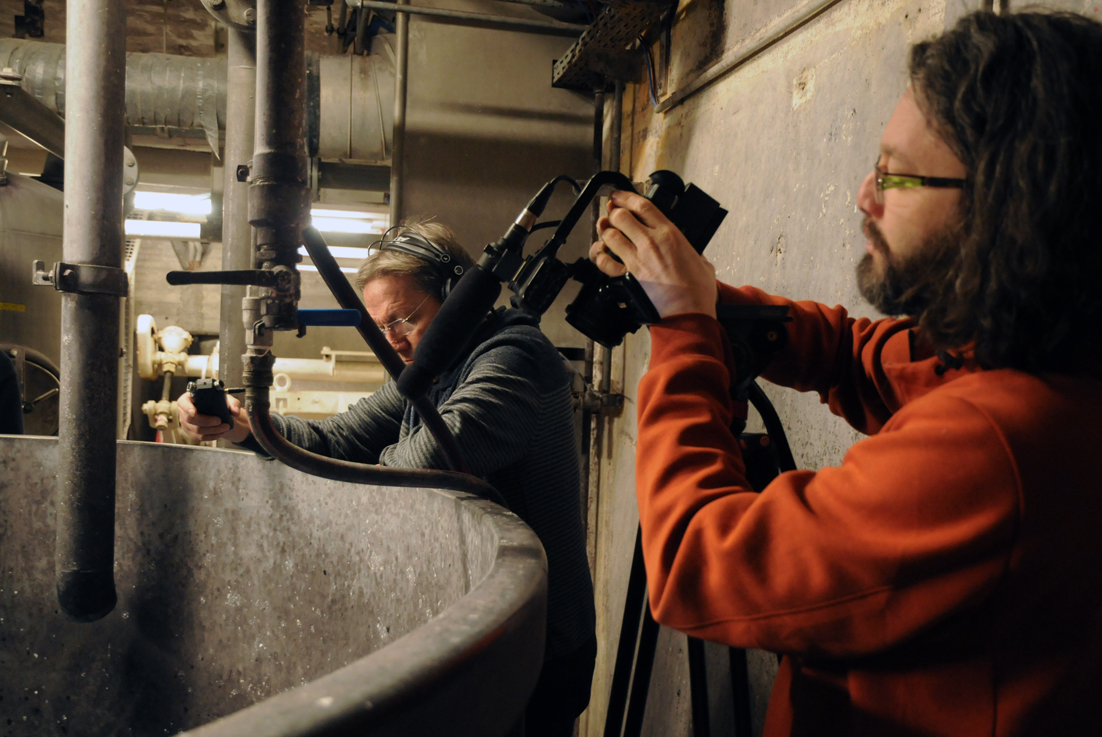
<point x="485" y="130"/>
<point x="783" y="141"/>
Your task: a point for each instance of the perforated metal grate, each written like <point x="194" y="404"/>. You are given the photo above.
<point x="603" y="50"/>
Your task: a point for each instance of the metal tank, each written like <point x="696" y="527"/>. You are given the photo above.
<point x="256" y="600"/>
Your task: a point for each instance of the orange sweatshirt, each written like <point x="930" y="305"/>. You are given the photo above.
<point x="946" y="579"/>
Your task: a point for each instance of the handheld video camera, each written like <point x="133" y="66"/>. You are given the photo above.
<point x="607" y="308"/>
<point x="209" y="398"/>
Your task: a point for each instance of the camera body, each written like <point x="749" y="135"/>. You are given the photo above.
<point x="608" y="308"/>
<point x="209" y="398"/>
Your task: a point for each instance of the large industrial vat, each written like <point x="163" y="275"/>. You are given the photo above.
<point x="274" y="602"/>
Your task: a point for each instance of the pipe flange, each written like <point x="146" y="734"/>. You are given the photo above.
<point x="239" y="14"/>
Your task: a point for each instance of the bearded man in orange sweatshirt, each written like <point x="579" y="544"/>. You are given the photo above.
<point x="946" y="578"/>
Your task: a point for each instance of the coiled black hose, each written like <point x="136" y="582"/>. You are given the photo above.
<point x="257" y="405"/>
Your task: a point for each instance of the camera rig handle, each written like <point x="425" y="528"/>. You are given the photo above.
<point x="475" y="294"/>
<point x="607" y="308"/>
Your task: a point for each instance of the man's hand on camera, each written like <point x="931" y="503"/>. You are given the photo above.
<point x="206" y="427"/>
<point x="675" y="277"/>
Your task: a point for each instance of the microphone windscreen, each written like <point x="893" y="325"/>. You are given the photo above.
<point x="453" y="326"/>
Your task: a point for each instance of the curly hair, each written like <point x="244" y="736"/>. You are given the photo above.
<point x="1018" y="98"/>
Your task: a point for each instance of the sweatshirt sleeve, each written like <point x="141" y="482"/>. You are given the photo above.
<point x="842" y="562"/>
<point x="358" y="435"/>
<point x="492" y="413"/>
<point x="840" y="358"/>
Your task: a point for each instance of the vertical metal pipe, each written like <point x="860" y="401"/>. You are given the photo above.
<point x="96" y="74"/>
<point x="604" y="354"/>
<point x="281" y="80"/>
<point x="599" y="365"/>
<point x="237" y="234"/>
<point x="589" y="436"/>
<point x="279" y="195"/>
<point x="398" y="140"/>
<point x="617" y="124"/>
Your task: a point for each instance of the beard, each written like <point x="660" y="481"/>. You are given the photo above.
<point x="907" y="285"/>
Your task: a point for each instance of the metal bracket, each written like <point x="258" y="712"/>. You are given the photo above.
<point x="82" y="278"/>
<point x="602" y="51"/>
<point x="600" y="402"/>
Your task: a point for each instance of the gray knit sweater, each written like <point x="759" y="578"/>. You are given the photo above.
<point x="508" y="404"/>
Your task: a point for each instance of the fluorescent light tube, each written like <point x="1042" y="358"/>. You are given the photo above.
<point x="342" y="252"/>
<point x="323" y="213"/>
<point x="345" y="269"/>
<point x="184" y="204"/>
<point x="162" y="229"/>
<point x="346" y="225"/>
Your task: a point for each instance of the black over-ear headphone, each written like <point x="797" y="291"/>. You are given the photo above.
<point x="412" y="243"/>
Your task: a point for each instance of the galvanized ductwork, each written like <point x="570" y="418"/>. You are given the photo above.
<point x="181" y="93"/>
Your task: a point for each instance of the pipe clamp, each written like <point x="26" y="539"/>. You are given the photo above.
<point x="82" y="278"/>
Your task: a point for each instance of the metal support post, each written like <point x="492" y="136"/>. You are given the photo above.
<point x="398" y="145"/>
<point x="279" y="194"/>
<point x="237" y="234"/>
<point x="95" y="68"/>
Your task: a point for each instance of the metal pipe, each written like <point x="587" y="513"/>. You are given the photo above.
<point x="589" y="434"/>
<point x="541" y="5"/>
<point x="96" y="65"/>
<point x="601" y="363"/>
<point x="615" y="127"/>
<point x="614" y="164"/>
<point x="781" y="27"/>
<point x="479" y="20"/>
<point x="23" y="113"/>
<point x="257" y="405"/>
<point x="163" y="90"/>
<point x="366" y="371"/>
<point x="361" y="33"/>
<point x="186" y="95"/>
<point x="237" y="234"/>
<point x="279" y="195"/>
<point x="398" y="134"/>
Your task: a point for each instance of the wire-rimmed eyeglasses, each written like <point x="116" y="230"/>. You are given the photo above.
<point x="402" y="327"/>
<point x="883" y="181"/>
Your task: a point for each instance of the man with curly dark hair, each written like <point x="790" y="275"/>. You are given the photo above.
<point x="946" y="578"/>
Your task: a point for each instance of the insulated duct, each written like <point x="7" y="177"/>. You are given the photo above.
<point x="350" y="113"/>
